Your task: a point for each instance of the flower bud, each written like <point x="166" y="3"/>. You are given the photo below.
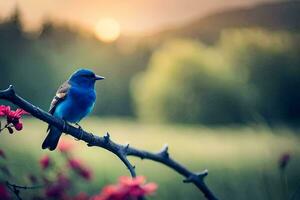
<point x="19" y="126"/>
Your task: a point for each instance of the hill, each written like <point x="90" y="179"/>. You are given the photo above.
<point x="272" y="16"/>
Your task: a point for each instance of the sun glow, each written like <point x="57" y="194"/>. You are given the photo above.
<point x="107" y="29"/>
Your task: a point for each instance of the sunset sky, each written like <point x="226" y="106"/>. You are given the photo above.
<point x="133" y="16"/>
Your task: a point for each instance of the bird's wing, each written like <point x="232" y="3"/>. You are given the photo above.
<point x="60" y="95"/>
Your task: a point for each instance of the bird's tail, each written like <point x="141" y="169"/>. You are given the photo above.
<point x="52" y="138"/>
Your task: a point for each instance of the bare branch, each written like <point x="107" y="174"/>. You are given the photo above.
<point x="16" y="189"/>
<point x="122" y="151"/>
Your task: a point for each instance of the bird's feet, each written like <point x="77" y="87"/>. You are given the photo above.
<point x="78" y="126"/>
<point x="81" y="131"/>
<point x="65" y="125"/>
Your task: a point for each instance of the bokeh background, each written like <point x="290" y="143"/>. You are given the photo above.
<point x="219" y="81"/>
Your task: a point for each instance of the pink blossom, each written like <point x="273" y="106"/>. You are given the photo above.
<point x="74" y="163"/>
<point x="54" y="191"/>
<point x="65" y="145"/>
<point x="4" y="110"/>
<point x="127" y="188"/>
<point x="284" y="160"/>
<point x="13" y="117"/>
<point x="4" y="194"/>
<point x="45" y="162"/>
<point x="2" y="154"/>
<point x="18" y="126"/>
<point x="81" y="196"/>
<point x="85" y="173"/>
<point x="132" y="182"/>
<point x="80" y="169"/>
<point x="57" y="189"/>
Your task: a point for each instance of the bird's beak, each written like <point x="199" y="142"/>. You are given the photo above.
<point x="97" y="77"/>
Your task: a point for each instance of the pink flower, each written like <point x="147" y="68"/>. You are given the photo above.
<point x="63" y="180"/>
<point x="54" y="191"/>
<point x="80" y="169"/>
<point x="65" y="145"/>
<point x="74" y="163"/>
<point x="45" y="162"/>
<point x="13" y="117"/>
<point x="150" y="188"/>
<point x="57" y="189"/>
<point x="4" y="195"/>
<point x="18" y="126"/>
<point x="81" y="196"/>
<point x="131" y="182"/>
<point x="127" y="188"/>
<point x="4" y="110"/>
<point x="17" y="114"/>
<point x="85" y="173"/>
<point x="111" y="192"/>
<point x="284" y="160"/>
<point x="2" y="154"/>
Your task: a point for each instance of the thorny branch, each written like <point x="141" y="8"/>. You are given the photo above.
<point x="121" y="151"/>
<point x="16" y="188"/>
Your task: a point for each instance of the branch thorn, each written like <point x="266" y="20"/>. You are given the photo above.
<point x="196" y="176"/>
<point x="126" y="147"/>
<point x="202" y="174"/>
<point x="106" y="137"/>
<point x="164" y="152"/>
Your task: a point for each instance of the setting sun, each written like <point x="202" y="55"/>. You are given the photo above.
<point x="107" y="29"/>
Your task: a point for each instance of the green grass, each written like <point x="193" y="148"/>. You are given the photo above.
<point x="242" y="162"/>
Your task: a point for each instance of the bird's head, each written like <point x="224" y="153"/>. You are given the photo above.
<point x="84" y="78"/>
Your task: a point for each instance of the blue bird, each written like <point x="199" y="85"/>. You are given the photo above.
<point x="73" y="101"/>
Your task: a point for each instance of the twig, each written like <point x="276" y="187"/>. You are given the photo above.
<point x="16" y="188"/>
<point x="6" y="126"/>
<point x="121" y="151"/>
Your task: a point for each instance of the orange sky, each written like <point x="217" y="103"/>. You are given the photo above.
<point x="134" y="16"/>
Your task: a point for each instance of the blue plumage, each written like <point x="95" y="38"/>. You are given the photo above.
<point x="74" y="100"/>
<point x="78" y="104"/>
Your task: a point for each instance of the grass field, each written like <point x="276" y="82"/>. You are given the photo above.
<point x="242" y="162"/>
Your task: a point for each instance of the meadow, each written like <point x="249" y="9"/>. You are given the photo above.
<point x="242" y="161"/>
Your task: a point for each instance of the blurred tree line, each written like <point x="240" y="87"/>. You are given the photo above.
<point x="246" y="75"/>
<point x="37" y="64"/>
